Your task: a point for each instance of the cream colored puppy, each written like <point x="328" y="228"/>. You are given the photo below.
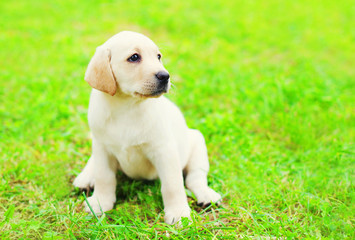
<point x="138" y="131"/>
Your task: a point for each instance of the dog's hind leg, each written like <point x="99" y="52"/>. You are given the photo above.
<point x="197" y="169"/>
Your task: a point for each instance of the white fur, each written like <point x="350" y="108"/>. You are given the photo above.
<point x="144" y="137"/>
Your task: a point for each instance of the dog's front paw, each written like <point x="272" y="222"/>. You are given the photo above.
<point x="208" y="196"/>
<point x="84" y="180"/>
<point x="99" y="205"/>
<point x="174" y="215"/>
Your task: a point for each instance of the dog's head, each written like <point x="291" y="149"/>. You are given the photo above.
<point x="129" y="63"/>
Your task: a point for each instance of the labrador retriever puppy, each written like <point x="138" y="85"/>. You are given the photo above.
<point x="138" y="131"/>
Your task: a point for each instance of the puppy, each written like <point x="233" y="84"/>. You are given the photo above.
<point x="138" y="131"/>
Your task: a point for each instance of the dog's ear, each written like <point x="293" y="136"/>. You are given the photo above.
<point x="99" y="72"/>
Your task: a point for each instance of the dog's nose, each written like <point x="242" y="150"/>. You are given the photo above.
<point x="162" y="76"/>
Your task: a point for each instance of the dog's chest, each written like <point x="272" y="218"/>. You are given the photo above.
<point x="126" y="131"/>
<point x="134" y="163"/>
<point x="124" y="137"/>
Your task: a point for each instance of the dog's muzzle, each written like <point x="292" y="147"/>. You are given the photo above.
<point x="161" y="86"/>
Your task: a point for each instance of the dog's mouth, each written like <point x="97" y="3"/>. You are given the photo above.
<point x="154" y="94"/>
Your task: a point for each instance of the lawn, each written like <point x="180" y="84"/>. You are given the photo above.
<point x="270" y="84"/>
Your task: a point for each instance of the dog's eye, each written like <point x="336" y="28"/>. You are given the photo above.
<point x="159" y="56"/>
<point x="134" y="58"/>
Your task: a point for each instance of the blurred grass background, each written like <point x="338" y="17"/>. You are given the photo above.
<point x="269" y="83"/>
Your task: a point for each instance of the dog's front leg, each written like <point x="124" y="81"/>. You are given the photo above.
<point x="105" y="166"/>
<point x="169" y="170"/>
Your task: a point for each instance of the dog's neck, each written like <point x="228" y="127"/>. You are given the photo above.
<point x="121" y="99"/>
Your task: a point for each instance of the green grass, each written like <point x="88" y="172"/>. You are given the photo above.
<point x="269" y="83"/>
